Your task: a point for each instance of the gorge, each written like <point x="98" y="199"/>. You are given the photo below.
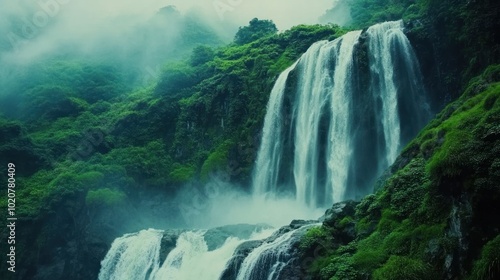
<point x="351" y="128"/>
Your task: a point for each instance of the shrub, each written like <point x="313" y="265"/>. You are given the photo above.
<point x="488" y="266"/>
<point x="398" y="267"/>
<point x="105" y="197"/>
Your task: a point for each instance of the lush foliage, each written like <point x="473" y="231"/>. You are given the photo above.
<point x="256" y="30"/>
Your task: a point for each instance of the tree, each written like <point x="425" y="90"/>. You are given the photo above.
<point x="200" y="55"/>
<point x="256" y="30"/>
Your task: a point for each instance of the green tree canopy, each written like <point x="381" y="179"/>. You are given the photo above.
<point x="256" y="30"/>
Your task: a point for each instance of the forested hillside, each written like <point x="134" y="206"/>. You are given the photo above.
<point x="101" y="144"/>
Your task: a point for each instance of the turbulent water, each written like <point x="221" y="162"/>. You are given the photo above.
<point x="270" y="259"/>
<point x="133" y="256"/>
<point x="184" y="262"/>
<point x="136" y="256"/>
<point x="352" y="103"/>
<point x="336" y="119"/>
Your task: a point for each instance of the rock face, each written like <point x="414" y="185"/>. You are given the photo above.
<point x="234" y="265"/>
<point x="339" y="211"/>
<point x="168" y="243"/>
<point x="278" y="255"/>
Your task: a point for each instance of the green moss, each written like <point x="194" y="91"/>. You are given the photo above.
<point x="217" y="160"/>
<point x="453" y="157"/>
<point x="340" y="268"/>
<point x="370" y="254"/>
<point x="312" y="236"/>
<point x="398" y="267"/>
<point x="488" y="266"/>
<point x="405" y="191"/>
<point x="182" y="173"/>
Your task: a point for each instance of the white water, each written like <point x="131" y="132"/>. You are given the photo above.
<point x="339" y="145"/>
<point x="133" y="256"/>
<point x="382" y="38"/>
<point x="269" y="155"/>
<point x="137" y="256"/>
<point x="328" y="161"/>
<point x="268" y="260"/>
<point x="313" y="85"/>
<point x="191" y="259"/>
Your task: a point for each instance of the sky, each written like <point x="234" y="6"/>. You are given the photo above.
<point x="34" y="28"/>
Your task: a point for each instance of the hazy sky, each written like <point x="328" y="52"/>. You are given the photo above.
<point x="44" y="26"/>
<point x="285" y="13"/>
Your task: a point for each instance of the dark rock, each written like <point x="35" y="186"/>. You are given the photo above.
<point x="233" y="266"/>
<point x="168" y="243"/>
<point x="338" y="212"/>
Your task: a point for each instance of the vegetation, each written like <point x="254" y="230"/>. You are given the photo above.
<point x="92" y="140"/>
<point x="256" y="30"/>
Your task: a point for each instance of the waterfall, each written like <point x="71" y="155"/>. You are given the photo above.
<point x="348" y="121"/>
<point x="325" y="80"/>
<point x="269" y="155"/>
<point x="133" y="256"/>
<point x="137" y="256"/>
<point x="187" y="260"/>
<point x="269" y="259"/>
<point x="387" y="44"/>
<point x="339" y="145"/>
<point x="335" y="120"/>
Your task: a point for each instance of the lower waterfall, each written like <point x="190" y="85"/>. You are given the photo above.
<point x="184" y="262"/>
<point x="133" y="256"/>
<point x="136" y="256"/>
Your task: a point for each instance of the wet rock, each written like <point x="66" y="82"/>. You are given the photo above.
<point x="233" y="266"/>
<point x="338" y="212"/>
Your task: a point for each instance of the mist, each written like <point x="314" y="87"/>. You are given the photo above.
<point x="37" y="28"/>
<point x="218" y="203"/>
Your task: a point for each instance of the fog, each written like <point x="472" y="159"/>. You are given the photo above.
<point x="219" y="203"/>
<point x="36" y="28"/>
<point x="138" y="37"/>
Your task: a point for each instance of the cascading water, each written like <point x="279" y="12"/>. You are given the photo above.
<point x="269" y="156"/>
<point x="268" y="260"/>
<point x="335" y="120"/>
<point x="185" y="261"/>
<point x="137" y="256"/>
<point x="348" y="121"/>
<point x="133" y="256"/>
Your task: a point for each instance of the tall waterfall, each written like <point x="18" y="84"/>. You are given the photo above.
<point x="351" y="104"/>
<point x="336" y="119"/>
